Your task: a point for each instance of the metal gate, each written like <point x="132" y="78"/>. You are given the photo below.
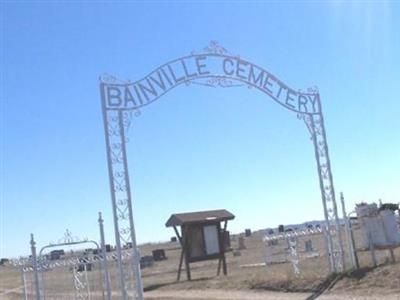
<point x="74" y="274"/>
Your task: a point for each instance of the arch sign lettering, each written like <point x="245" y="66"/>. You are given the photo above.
<point x="213" y="67"/>
<point x="223" y="68"/>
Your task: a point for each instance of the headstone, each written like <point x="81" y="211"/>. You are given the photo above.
<point x="308" y="246"/>
<point x="281" y="228"/>
<point x="272" y="242"/>
<point x="84" y="264"/>
<point x="146" y="261"/>
<point x="173" y="239"/>
<point x="236" y="253"/>
<point x="56" y="254"/>
<point x="241" y="243"/>
<point x="247" y="232"/>
<point x="159" y="254"/>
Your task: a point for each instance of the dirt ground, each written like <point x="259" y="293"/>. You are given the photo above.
<point x="382" y="283"/>
<point x="249" y="278"/>
<point x="221" y="295"/>
<point x="252" y="295"/>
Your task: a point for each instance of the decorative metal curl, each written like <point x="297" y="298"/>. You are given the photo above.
<point x="120" y="174"/>
<point x="115" y="146"/>
<point x="119" y="187"/>
<point x="122" y="201"/>
<point x="69" y="238"/>
<point x="116" y="157"/>
<point x="306" y="119"/>
<point x="216" y="81"/>
<point x="313" y="89"/>
<point x="310" y="90"/>
<point x="111" y="79"/>
<point x="215" y="47"/>
<point x="127" y="119"/>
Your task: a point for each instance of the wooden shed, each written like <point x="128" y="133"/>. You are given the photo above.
<point x="201" y="237"/>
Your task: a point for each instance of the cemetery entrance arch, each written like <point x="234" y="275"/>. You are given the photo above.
<point x="213" y="67"/>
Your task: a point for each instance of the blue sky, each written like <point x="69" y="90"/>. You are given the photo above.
<point x="196" y="148"/>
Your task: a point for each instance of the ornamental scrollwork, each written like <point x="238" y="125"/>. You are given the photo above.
<point x="69" y="238"/>
<point x="217" y="81"/>
<point x="215" y="47"/>
<point x="307" y="120"/>
<point x="111" y="79"/>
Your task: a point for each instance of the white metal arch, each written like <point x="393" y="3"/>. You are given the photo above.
<point x="217" y="68"/>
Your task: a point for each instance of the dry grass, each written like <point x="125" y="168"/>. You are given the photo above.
<point x="280" y="276"/>
<point x="276" y="277"/>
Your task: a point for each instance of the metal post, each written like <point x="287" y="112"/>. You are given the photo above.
<point x="136" y="255"/>
<point x="339" y="257"/>
<point x="372" y="249"/>
<point x="353" y="243"/>
<point x="23" y="279"/>
<point x="292" y="242"/>
<point x="315" y="123"/>
<point x="104" y="258"/>
<point x="74" y="280"/>
<point x="321" y="183"/>
<point x="115" y="122"/>
<point x="35" y="267"/>
<point x="109" y="150"/>
<point x="347" y="227"/>
<point x="87" y="281"/>
<point x="327" y="247"/>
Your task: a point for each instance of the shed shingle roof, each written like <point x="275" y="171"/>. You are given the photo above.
<point x="199" y="217"/>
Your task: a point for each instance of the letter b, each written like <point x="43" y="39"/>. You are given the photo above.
<point x="113" y="96"/>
